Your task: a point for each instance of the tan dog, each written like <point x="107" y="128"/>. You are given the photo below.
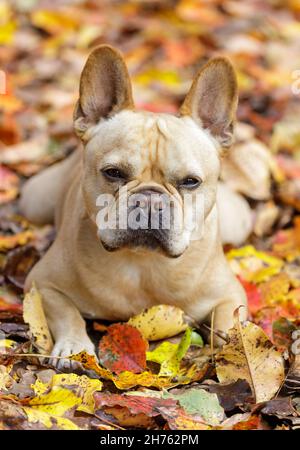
<point x="128" y="152"/>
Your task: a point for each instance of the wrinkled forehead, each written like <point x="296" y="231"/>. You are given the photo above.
<point x="144" y="139"/>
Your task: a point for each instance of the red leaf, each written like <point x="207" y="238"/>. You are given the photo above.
<point x="136" y="404"/>
<point x="123" y="348"/>
<point x="253" y="295"/>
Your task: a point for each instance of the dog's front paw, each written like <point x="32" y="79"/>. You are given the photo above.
<point x="70" y="346"/>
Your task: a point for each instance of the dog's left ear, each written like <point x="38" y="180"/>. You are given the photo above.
<point x="212" y="99"/>
<point x="105" y="88"/>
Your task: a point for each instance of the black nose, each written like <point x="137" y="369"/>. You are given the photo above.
<point x="149" y="209"/>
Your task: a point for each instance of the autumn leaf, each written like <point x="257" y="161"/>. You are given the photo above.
<point x="250" y="356"/>
<point x="253" y="265"/>
<point x="51" y="408"/>
<point x="164" y="46"/>
<point x="9" y="185"/>
<point x="202" y="403"/>
<point x="123" y="348"/>
<point x="82" y="386"/>
<point x="127" y="380"/>
<point x="159" y="322"/>
<point x="147" y="403"/>
<point x="169" y="355"/>
<point x="34" y="315"/>
<point x="8" y="242"/>
<point x="152" y="404"/>
<point x="5" y="379"/>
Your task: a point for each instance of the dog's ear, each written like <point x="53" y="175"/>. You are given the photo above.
<point x="105" y="88"/>
<point x="212" y="99"/>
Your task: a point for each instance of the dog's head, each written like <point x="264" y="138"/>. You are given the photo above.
<point x="148" y="176"/>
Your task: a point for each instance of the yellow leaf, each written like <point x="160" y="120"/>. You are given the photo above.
<point x="6" y="344"/>
<point x="127" y="380"/>
<point x="50" y="408"/>
<point x="253" y="265"/>
<point x="82" y="386"/>
<point x="276" y="289"/>
<point x="250" y="356"/>
<point x="57" y="402"/>
<point x="34" y="316"/>
<point x="168" y="78"/>
<point x="159" y="322"/>
<point x="165" y="355"/>
<point x="54" y="21"/>
<point x="9" y="242"/>
<point x="37" y="416"/>
<point x="169" y="355"/>
<point x="5" y="379"/>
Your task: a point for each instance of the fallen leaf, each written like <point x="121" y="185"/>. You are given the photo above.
<point x="9" y="242"/>
<point x="9" y="185"/>
<point x="127" y="380"/>
<point x="169" y="355"/>
<point x="159" y="322"/>
<point x="231" y="395"/>
<point x="82" y="386"/>
<point x="250" y="356"/>
<point x="199" y="402"/>
<point x="253" y="265"/>
<point x="5" y="379"/>
<point x="123" y="348"/>
<point x="34" y="315"/>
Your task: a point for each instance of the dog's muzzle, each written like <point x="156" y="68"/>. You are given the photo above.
<point x="149" y="210"/>
<point x="148" y="223"/>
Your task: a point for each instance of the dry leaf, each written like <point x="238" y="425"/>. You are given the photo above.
<point x="251" y="356"/>
<point x="35" y="317"/>
<point x="159" y="322"/>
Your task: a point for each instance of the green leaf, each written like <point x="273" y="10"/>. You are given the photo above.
<point x="169" y="355"/>
<point x="200" y="402"/>
<point x="196" y="339"/>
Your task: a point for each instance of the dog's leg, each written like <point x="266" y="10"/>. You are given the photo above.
<point x="41" y="193"/>
<point x="224" y="317"/>
<point x="235" y="216"/>
<point x="67" y="327"/>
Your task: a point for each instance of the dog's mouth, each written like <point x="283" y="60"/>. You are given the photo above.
<point x="151" y="240"/>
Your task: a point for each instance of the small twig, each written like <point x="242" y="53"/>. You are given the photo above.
<point x="29" y="355"/>
<point x="217" y="333"/>
<point x="212" y="336"/>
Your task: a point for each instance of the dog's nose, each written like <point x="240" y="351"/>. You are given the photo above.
<point x="151" y="207"/>
<point x="150" y="200"/>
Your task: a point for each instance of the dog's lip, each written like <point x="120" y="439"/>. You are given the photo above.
<point x="141" y="244"/>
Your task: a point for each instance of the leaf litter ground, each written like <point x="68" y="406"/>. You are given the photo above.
<point x="163" y="377"/>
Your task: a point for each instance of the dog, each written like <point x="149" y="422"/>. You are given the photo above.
<point x="115" y="273"/>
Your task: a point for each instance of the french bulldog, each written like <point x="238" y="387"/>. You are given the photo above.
<point x="114" y="273"/>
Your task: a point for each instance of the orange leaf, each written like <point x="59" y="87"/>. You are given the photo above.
<point x="123" y="348"/>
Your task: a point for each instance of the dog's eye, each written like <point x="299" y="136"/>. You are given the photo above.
<point x="113" y="174"/>
<point x="190" y="182"/>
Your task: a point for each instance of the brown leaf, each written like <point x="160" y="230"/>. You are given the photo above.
<point x="250" y="356"/>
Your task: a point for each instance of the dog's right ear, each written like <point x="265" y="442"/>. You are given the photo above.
<point x="105" y="88"/>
